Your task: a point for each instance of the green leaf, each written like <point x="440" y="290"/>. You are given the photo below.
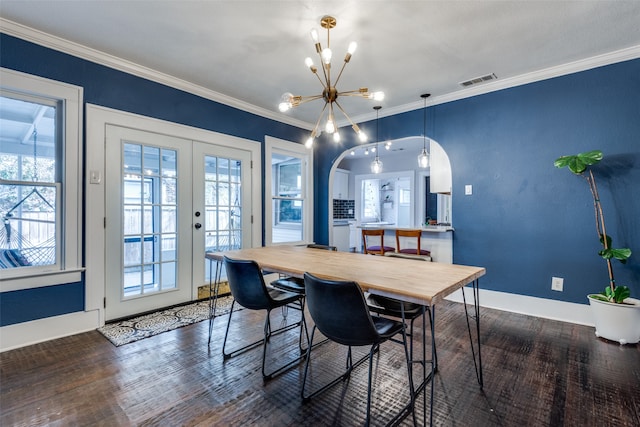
<point x="578" y="163"/>
<point x="621" y="254"/>
<point x="608" y="245"/>
<point x="621" y="293"/>
<point x="618" y="295"/>
<point x="600" y="297"/>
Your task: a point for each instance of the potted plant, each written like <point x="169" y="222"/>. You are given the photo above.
<point x="616" y="315"/>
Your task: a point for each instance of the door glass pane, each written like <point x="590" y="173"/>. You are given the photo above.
<point x="222" y="205"/>
<point x="149" y="218"/>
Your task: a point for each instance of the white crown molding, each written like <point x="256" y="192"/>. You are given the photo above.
<point x="93" y="55"/>
<point x="47" y="40"/>
<point x="493" y="86"/>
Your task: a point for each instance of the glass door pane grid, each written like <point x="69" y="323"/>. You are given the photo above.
<point x="223" y="205"/>
<point x="149" y="220"/>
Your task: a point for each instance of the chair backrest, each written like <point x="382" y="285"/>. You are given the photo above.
<point x="325" y="247"/>
<point x="416" y="234"/>
<point x="247" y="284"/>
<point x="373" y="232"/>
<point x="340" y="311"/>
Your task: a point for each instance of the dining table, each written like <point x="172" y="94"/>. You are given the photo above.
<point x="423" y="283"/>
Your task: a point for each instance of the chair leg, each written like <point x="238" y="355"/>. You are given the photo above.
<point x="226" y="333"/>
<point x="267" y="337"/>
<point x="350" y="367"/>
<point x="371" y="353"/>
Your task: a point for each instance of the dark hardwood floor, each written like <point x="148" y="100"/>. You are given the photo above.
<point x="537" y="373"/>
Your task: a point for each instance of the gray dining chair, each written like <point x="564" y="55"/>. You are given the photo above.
<point x="250" y="291"/>
<point x="340" y="312"/>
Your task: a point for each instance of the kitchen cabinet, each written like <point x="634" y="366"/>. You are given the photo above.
<point x="440" y="170"/>
<point x="341" y="237"/>
<point x="341" y="184"/>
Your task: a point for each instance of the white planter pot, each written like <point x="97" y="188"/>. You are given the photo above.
<point x="617" y="322"/>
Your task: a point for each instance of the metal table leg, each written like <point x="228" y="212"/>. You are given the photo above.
<point x="214" y="287"/>
<point x="476" y="305"/>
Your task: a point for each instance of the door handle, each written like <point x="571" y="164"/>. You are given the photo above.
<point x="198" y="225"/>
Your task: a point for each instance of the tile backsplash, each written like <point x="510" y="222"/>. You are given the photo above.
<point x="343" y="209"/>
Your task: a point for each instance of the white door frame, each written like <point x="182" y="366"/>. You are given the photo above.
<point x="96" y="120"/>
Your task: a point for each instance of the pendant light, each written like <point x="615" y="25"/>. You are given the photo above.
<point x="423" y="157"/>
<point x="376" y="165"/>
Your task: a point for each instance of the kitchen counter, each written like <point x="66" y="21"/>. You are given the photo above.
<point x="428" y="228"/>
<point x="435" y="238"/>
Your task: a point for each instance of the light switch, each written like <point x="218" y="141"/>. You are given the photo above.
<point x="94" y="177"/>
<point x="468" y="189"/>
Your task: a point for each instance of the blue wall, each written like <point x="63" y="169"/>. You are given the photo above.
<point x="526" y="220"/>
<point x="107" y="87"/>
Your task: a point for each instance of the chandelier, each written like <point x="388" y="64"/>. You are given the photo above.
<point x="329" y="92"/>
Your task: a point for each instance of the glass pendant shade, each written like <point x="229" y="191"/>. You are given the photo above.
<point x="423" y="159"/>
<point x="376" y="165"/>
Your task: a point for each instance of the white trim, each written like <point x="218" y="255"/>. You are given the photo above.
<point x="36" y="331"/>
<point x="72" y="99"/>
<point x="40" y="280"/>
<point x="298" y="150"/>
<point x="97" y="120"/>
<point x="62" y="45"/>
<point x="531" y="306"/>
<point x="614" y="57"/>
<point x="93" y="55"/>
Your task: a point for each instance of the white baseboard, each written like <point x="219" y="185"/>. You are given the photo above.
<point x="531" y="306"/>
<point x="36" y="331"/>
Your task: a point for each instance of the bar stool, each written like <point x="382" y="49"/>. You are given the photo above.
<point x="376" y="249"/>
<point x="411" y="251"/>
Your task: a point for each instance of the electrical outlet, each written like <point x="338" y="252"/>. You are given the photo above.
<point x="557" y="283"/>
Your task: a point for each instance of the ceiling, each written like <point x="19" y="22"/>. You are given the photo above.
<point x="248" y="53"/>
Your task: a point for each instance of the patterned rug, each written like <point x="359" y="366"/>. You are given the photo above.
<point x="137" y="328"/>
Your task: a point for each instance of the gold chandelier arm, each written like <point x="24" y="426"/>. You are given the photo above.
<point x="327" y="77"/>
<point x="315" y="128"/>
<point x="363" y="92"/>
<point x="344" y="64"/>
<point x="320" y="80"/>
<point x="345" y="114"/>
<point x="299" y="100"/>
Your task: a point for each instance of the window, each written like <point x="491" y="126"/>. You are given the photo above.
<point x="39" y="179"/>
<point x="290" y="218"/>
<point x="29" y="202"/>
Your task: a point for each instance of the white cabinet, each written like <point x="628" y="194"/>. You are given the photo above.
<point x="341" y="184"/>
<point x="341" y="237"/>
<point x="440" y="169"/>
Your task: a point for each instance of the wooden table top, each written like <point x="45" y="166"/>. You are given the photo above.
<point x="415" y="281"/>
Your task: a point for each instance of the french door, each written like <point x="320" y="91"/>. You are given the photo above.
<point x="168" y="199"/>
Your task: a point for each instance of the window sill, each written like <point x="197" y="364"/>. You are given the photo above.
<point x="30" y="280"/>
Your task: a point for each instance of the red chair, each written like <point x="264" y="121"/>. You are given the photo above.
<point x="375" y="249"/>
<point x="411" y="251"/>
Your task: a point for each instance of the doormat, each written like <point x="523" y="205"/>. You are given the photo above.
<point x="137" y="328"/>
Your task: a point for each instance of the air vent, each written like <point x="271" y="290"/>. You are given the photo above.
<point x="477" y="80"/>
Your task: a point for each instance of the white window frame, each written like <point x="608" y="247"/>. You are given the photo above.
<point x="71" y="98"/>
<point x="280" y="146"/>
